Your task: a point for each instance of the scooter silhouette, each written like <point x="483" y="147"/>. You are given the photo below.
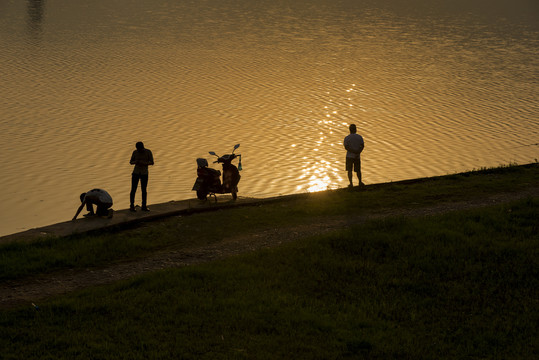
<point x="208" y="180"/>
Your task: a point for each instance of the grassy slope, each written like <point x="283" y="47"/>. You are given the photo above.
<point x="462" y="285"/>
<point x="27" y="259"/>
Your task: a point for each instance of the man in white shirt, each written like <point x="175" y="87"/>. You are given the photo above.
<point x="100" y="198"/>
<point x="354" y="144"/>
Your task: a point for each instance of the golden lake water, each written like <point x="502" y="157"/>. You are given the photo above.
<point x="435" y="87"/>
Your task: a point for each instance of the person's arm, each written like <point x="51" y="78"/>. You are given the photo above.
<point x="133" y="160"/>
<point x="79" y="209"/>
<point x="346" y="145"/>
<point x="145" y="159"/>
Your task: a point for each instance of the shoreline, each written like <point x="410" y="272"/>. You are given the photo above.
<point x="187" y="240"/>
<point x="124" y="218"/>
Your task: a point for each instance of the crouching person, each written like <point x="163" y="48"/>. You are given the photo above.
<point x="97" y="197"/>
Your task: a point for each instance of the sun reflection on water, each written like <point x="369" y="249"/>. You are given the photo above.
<point x="320" y="176"/>
<point x="323" y="174"/>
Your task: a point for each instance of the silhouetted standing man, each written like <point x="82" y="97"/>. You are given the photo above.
<point x="354" y="144"/>
<point x="141" y="158"/>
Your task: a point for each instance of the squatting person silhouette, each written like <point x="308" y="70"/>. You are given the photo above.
<point x="98" y="197"/>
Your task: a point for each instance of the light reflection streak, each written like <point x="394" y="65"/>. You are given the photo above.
<point x="35" y="11"/>
<point x="323" y="174"/>
<point x="320" y="176"/>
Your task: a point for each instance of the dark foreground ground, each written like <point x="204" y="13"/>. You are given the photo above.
<point x="27" y="290"/>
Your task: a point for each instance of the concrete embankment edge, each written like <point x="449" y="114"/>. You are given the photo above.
<point x="124" y="218"/>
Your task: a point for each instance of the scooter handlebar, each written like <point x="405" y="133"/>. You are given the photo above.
<point x="226" y="158"/>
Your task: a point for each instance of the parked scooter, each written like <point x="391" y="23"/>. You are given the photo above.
<point x="208" y="180"/>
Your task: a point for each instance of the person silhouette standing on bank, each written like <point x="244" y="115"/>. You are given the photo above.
<point x="354" y="144"/>
<point x="141" y="158"/>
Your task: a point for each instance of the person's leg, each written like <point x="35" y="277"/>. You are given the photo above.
<point x="349" y="165"/>
<point x="134" y="185"/>
<point x="103" y="209"/>
<point x="358" y="170"/>
<point x="143" y="188"/>
<point x="89" y="207"/>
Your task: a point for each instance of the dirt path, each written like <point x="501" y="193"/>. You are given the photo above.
<point x="26" y="291"/>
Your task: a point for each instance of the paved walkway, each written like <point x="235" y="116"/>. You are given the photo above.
<point x="125" y="218"/>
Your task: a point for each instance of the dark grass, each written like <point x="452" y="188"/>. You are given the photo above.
<point x="458" y="286"/>
<point x="18" y="260"/>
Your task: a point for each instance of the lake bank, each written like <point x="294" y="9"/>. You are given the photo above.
<point x="123" y="218"/>
<point x="192" y="234"/>
<point x="444" y="268"/>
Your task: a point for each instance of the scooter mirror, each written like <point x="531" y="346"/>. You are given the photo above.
<point x="236" y="146"/>
<point x="212" y="153"/>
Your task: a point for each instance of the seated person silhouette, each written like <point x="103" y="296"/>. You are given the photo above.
<point x="97" y="197"/>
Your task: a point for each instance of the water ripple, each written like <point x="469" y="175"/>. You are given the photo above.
<point x="430" y="94"/>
